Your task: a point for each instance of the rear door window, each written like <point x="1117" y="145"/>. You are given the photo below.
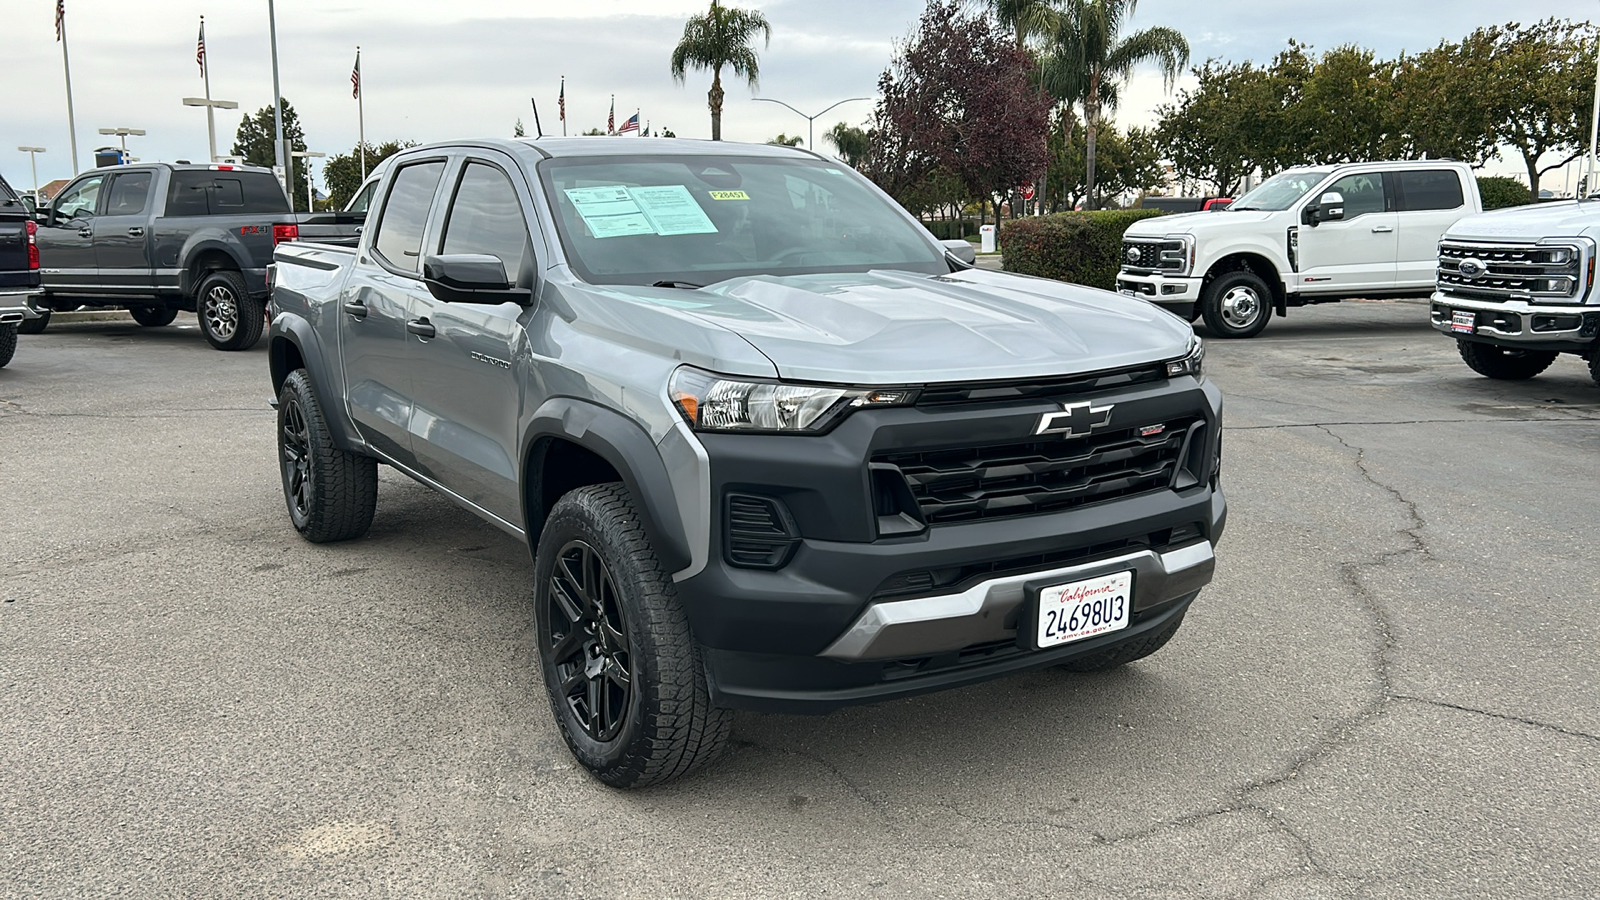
<point x="213" y="192"/>
<point x="1430" y="189"/>
<point x="404" y="217"/>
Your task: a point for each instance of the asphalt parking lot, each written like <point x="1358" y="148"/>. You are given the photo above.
<point x="1389" y="691"/>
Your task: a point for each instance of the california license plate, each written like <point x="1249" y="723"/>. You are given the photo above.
<point x="1083" y="609"/>
<point x="1463" y="322"/>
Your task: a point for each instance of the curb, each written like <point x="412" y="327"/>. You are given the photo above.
<point x="90" y="315"/>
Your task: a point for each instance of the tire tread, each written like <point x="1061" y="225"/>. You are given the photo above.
<point x="344" y="485"/>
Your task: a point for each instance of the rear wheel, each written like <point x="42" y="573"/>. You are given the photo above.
<point x="153" y="316"/>
<point x="8" y="344"/>
<point x="229" y="317"/>
<point x="1236" y="304"/>
<point x="1503" y="364"/>
<point x="35" y="326"/>
<point x="331" y="493"/>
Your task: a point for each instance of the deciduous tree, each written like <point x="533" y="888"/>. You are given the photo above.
<point x="342" y="171"/>
<point x="254" y="144"/>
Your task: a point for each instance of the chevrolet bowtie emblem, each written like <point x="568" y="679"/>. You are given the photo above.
<point x="1075" y="420"/>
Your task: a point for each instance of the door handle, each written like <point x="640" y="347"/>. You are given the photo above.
<point x="422" y="328"/>
<point x="1382" y="229"/>
<point x="85" y="232"/>
<point x="136" y="231"/>
<point x="356" y="308"/>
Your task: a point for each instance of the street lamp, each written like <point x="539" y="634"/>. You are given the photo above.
<point x="308" y="154"/>
<point x="33" y="160"/>
<point x="211" y="116"/>
<point x="122" y="135"/>
<point x="811" y="120"/>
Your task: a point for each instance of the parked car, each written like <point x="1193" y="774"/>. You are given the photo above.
<point x="158" y="238"/>
<point x="1307" y="235"/>
<point x="19" y="268"/>
<point x="1516" y="288"/>
<point x="771" y="444"/>
<point x="1181" y="204"/>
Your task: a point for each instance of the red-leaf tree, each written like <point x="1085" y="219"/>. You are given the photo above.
<point x="957" y="104"/>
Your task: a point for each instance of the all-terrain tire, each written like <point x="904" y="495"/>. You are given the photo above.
<point x="1594" y="367"/>
<point x="153" y="316"/>
<point x="230" y="318"/>
<point x="35" y="326"/>
<point x="8" y="344"/>
<point x="1125" y="652"/>
<point x="1506" y="365"/>
<point x="657" y="723"/>
<point x="331" y="493"/>
<point x="1236" y="304"/>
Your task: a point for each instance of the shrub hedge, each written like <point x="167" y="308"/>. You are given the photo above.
<point x="1080" y="247"/>
<point x="953" y="229"/>
<point x="1500" y="192"/>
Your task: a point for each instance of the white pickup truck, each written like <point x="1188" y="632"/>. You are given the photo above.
<point x="1516" y="288"/>
<point x="1306" y="235"/>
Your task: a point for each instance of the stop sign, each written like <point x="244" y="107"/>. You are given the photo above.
<point x="1027" y="191"/>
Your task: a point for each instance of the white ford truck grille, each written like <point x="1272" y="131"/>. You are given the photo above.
<point x="1548" y="273"/>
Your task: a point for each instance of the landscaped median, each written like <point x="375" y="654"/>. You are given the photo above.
<point x="1080" y="247"/>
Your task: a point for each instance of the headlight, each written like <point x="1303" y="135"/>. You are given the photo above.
<point x="713" y="403"/>
<point x="1191" y="364"/>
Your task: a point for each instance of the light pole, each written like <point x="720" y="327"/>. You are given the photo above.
<point x="811" y="120"/>
<point x="211" y="116"/>
<point x="278" y="158"/>
<point x="308" y="154"/>
<point x="122" y="135"/>
<point x="33" y="161"/>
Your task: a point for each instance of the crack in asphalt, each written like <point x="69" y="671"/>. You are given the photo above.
<point x="1538" y="420"/>
<point x="1504" y="717"/>
<point x="186" y="414"/>
<point x="877" y="806"/>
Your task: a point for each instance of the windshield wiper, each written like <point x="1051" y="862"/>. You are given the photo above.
<point x="1243" y="208"/>
<point x="684" y="285"/>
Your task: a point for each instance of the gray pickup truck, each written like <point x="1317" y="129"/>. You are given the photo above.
<point x="770" y="444"/>
<point x="160" y="238"/>
<point x="19" y="268"/>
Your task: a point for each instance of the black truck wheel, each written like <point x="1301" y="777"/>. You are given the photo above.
<point x="1507" y="365"/>
<point x="331" y="493"/>
<point x="8" y="344"/>
<point x="153" y="316"/>
<point x="229" y="317"/>
<point x="35" y="326"/>
<point x="1594" y="366"/>
<point x="1124" y="652"/>
<point x="1236" y="304"/>
<point x="622" y="671"/>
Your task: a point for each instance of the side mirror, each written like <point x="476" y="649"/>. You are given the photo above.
<point x="1331" y="206"/>
<point x="470" y="278"/>
<point x="962" y="251"/>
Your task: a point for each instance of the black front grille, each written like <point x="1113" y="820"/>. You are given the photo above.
<point x="1026" y="477"/>
<point x="1149" y="256"/>
<point x="1037" y="389"/>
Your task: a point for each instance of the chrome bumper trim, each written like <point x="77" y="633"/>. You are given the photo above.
<point x="1521" y="308"/>
<point x="922" y="626"/>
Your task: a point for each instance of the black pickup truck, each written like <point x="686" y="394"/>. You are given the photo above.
<point x="19" y="268"/>
<point x="159" y="238"/>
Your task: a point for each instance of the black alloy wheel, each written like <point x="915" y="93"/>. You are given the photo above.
<point x="587" y="642"/>
<point x="296" y="460"/>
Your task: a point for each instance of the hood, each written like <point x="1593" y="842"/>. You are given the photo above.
<point x="901" y="328"/>
<point x="1197" y="222"/>
<point x="1529" y="223"/>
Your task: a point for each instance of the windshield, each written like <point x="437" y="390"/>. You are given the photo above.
<point x="696" y="220"/>
<point x="1281" y="190"/>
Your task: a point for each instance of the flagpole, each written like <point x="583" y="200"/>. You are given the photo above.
<point x="361" y="118"/>
<point x="72" y="124"/>
<point x="211" y="114"/>
<point x="563" y="106"/>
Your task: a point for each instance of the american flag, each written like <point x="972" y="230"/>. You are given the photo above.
<point x="611" y="117"/>
<point x="200" y="50"/>
<point x="61" y="17"/>
<point x="562" y="100"/>
<point x="355" y="77"/>
<point x="631" y="125"/>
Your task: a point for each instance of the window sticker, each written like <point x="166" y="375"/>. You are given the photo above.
<point x="620" y="211"/>
<point x="834" y="171"/>
<point x="729" y="195"/>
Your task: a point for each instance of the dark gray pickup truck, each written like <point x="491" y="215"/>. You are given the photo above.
<point x="160" y="238"/>
<point x="19" y="268"/>
<point x="770" y="444"/>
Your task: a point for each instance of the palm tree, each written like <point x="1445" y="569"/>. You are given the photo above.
<point x="851" y="143"/>
<point x="1088" y="35"/>
<point x="721" y="37"/>
<point x="1026" y="18"/>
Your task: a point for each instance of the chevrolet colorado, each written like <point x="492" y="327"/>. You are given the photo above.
<point x="770" y="444"/>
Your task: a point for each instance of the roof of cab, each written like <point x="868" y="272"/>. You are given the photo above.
<point x="598" y="145"/>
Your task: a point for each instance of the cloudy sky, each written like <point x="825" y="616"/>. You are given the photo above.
<point x="468" y="68"/>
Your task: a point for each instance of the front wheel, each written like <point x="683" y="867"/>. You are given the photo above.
<point x="35" y="326"/>
<point x="622" y="671"/>
<point x="1503" y="364"/>
<point x="331" y="493"/>
<point x="230" y="318"/>
<point x="1236" y="304"/>
<point x="153" y="316"/>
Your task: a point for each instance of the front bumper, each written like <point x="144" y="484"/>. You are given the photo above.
<point x="1175" y="294"/>
<point x="837" y="624"/>
<point x="1519" y="324"/>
